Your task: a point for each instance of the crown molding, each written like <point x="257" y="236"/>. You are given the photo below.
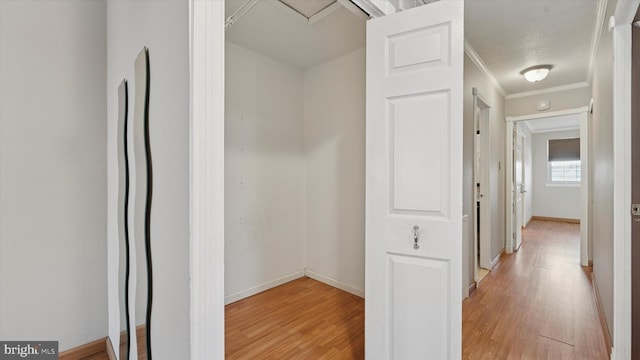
<point x="595" y="40"/>
<point x="578" y="85"/>
<point x="626" y="11"/>
<point x="473" y="55"/>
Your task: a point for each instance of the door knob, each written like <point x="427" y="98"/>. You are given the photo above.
<point x="416" y="229"/>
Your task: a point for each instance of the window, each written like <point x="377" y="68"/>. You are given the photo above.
<point x="564" y="160"/>
<point x="564" y="171"/>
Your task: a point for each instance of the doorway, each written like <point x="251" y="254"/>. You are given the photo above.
<point x="294" y="168"/>
<point x="517" y="195"/>
<point x="482" y="213"/>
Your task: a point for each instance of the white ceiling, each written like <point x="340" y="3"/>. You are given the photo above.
<point x="306" y="7"/>
<point x="555" y="123"/>
<point x="508" y="35"/>
<point x="274" y="30"/>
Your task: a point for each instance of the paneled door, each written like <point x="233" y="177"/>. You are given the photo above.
<point x="414" y="183"/>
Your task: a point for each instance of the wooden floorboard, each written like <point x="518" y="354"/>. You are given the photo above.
<point x="302" y="319"/>
<point x="536" y="303"/>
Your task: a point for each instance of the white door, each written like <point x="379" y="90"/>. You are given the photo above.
<point x="518" y="188"/>
<point x="414" y="183"/>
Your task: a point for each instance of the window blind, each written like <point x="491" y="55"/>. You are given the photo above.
<point x="564" y="149"/>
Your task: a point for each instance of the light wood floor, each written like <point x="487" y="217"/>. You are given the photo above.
<point x="302" y="319"/>
<point x="537" y="303"/>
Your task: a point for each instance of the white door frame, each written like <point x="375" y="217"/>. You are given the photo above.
<point x="206" y="177"/>
<point x="583" y="112"/>
<point x="620" y="25"/>
<point x="482" y="125"/>
<point x="206" y="171"/>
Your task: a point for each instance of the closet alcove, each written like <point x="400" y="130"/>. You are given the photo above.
<point x="294" y="145"/>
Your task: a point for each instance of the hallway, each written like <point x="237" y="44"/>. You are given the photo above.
<point x="537" y="303"/>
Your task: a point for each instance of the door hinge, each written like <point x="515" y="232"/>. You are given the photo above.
<point x="635" y="209"/>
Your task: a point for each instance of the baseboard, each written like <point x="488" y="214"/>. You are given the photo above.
<point x="473" y="287"/>
<point x="335" y="283"/>
<point x="556" y="219"/>
<point x="496" y="259"/>
<point x="603" y="320"/>
<point x="140" y="338"/>
<point x="263" y="287"/>
<point x="527" y="222"/>
<point x="99" y="346"/>
<point x="111" y="353"/>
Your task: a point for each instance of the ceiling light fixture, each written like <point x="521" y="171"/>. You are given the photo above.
<point x="536" y="73"/>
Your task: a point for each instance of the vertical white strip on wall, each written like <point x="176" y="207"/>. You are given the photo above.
<point x="625" y="11"/>
<point x="206" y="49"/>
<point x="584" y="188"/>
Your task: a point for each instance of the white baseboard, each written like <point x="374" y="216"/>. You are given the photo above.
<point x="263" y="287"/>
<point x="496" y="259"/>
<point x="335" y="283"/>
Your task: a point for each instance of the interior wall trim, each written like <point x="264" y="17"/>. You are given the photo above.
<point x="263" y="287"/>
<point x="583" y="109"/>
<point x="335" y="283"/>
<point x="595" y="41"/>
<point x="477" y="60"/>
<point x="472" y="287"/>
<point x="578" y="85"/>
<point x="556" y="219"/>
<point x="111" y="353"/>
<point x="601" y="317"/>
<point x="84" y="351"/>
<point x="497" y="258"/>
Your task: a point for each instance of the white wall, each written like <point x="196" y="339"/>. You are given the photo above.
<point x="162" y="26"/>
<point x="558" y="100"/>
<point x="334" y="140"/>
<point x="53" y="171"/>
<point x="558" y="201"/>
<point x="264" y="173"/>
<point x="294" y="172"/>
<point x="473" y="77"/>
<point x="602" y="172"/>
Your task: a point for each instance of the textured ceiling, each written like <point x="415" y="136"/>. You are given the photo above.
<point x="508" y="35"/>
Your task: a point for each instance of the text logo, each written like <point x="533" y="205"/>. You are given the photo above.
<point x="30" y="350"/>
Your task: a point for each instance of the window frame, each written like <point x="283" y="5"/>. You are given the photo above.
<point x="570" y="183"/>
<point x="562" y="183"/>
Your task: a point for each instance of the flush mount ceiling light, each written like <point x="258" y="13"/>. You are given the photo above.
<point x="536" y="73"/>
